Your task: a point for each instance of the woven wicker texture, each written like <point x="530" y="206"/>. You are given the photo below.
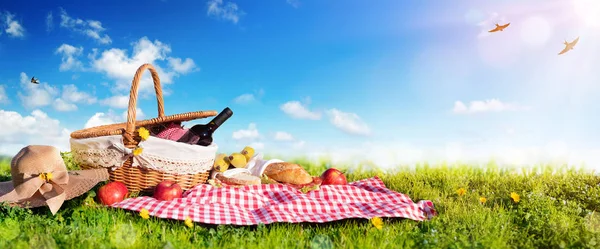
<point x="138" y="178"/>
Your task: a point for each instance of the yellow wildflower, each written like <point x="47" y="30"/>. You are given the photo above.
<point x="483" y="200"/>
<point x="46" y="176"/>
<point x="377" y="222"/>
<point x="144" y="213"/>
<point x="461" y="191"/>
<point x="137" y="151"/>
<point x="144" y="133"/>
<point x="515" y="197"/>
<point x="188" y="222"/>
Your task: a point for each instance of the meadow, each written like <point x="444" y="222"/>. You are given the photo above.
<point x="555" y="208"/>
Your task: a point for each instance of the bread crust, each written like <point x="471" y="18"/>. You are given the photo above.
<point x="286" y="172"/>
<point x="239" y="179"/>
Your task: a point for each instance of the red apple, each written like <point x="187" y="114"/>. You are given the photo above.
<point x="167" y="191"/>
<point x="112" y="192"/>
<point x="333" y="176"/>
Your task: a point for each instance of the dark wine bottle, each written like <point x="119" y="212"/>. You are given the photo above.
<point x="202" y="134"/>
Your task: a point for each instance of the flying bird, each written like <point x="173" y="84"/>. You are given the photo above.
<point x="569" y="46"/>
<point x="499" y="28"/>
<point x="34" y="80"/>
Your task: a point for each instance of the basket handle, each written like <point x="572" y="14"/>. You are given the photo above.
<point x="128" y="140"/>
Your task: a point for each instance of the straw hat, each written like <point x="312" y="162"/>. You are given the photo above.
<point x="40" y="178"/>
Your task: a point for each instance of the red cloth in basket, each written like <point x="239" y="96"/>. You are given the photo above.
<point x="172" y="132"/>
<point x="268" y="203"/>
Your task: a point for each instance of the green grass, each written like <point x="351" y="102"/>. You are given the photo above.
<point x="556" y="210"/>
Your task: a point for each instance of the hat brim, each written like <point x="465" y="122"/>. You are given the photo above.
<point x="80" y="182"/>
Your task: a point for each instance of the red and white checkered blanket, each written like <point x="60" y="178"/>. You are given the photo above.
<point x="268" y="203"/>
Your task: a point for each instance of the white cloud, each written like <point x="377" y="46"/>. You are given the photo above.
<point x="117" y="101"/>
<point x="36" y="95"/>
<point x="250" y="133"/>
<point x="249" y="97"/>
<point x="64" y="106"/>
<point x="491" y="105"/>
<point x="182" y="67"/>
<point x="139" y="115"/>
<point x="283" y="136"/>
<point x="39" y="95"/>
<point x="244" y="98"/>
<point x="49" y="22"/>
<point x="99" y="119"/>
<point x="296" y="110"/>
<point x="257" y="145"/>
<point x="110" y="117"/>
<point x="348" y="122"/>
<point x="118" y="65"/>
<point x="37" y="128"/>
<point x="72" y="94"/>
<point x="3" y="96"/>
<point x="229" y="11"/>
<point x="69" y="57"/>
<point x="294" y="3"/>
<point x="13" y="27"/>
<point x="91" y="28"/>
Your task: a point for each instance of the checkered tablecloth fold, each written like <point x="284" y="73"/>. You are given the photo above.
<point x="268" y="203"/>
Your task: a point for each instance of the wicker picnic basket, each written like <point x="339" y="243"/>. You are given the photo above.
<point x="111" y="146"/>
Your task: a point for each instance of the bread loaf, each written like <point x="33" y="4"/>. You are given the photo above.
<point x="285" y="172"/>
<point x="239" y="179"/>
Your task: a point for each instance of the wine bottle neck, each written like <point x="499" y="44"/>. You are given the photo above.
<point x="221" y="118"/>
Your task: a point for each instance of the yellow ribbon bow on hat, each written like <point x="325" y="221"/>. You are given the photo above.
<point x="49" y="184"/>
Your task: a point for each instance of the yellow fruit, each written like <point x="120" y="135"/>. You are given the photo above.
<point x="248" y="152"/>
<point x="220" y="156"/>
<point x="221" y="164"/>
<point x="238" y="160"/>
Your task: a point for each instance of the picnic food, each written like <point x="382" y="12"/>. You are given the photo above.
<point x="202" y="134"/>
<point x="220" y="163"/>
<point x="248" y="152"/>
<point x="167" y="191"/>
<point x="238" y="160"/>
<point x="333" y="176"/>
<point x="286" y="172"/>
<point x="242" y="178"/>
<point x="112" y="192"/>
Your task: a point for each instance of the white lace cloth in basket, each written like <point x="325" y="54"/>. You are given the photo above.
<point x="158" y="154"/>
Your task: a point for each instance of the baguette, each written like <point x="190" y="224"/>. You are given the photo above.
<point x="291" y="173"/>
<point x="239" y="179"/>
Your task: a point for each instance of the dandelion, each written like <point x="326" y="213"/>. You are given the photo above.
<point x="516" y="198"/>
<point x="137" y="151"/>
<point x="144" y="133"/>
<point x="377" y="222"/>
<point x="188" y="222"/>
<point x="144" y="213"/>
<point x="461" y="191"/>
<point x="483" y="200"/>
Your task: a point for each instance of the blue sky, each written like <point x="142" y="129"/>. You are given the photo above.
<point x="392" y="81"/>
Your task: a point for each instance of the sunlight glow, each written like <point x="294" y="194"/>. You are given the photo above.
<point x="536" y="31"/>
<point x="588" y="11"/>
